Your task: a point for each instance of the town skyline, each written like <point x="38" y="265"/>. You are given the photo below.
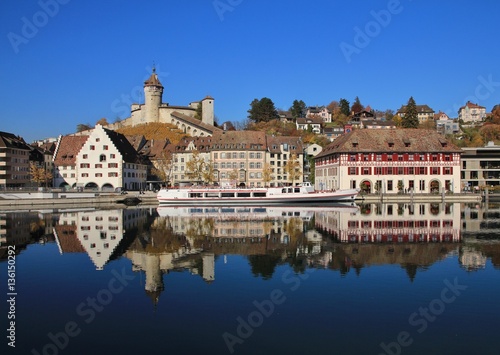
<point x="67" y="62"/>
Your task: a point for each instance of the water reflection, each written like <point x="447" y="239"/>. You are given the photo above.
<point x="339" y="237"/>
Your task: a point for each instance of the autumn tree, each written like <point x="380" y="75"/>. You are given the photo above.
<point x="357" y="106"/>
<point x="267" y="174"/>
<point x="262" y="110"/>
<point x="195" y="166"/>
<point x="208" y="172"/>
<point x="103" y="122"/>
<point x="233" y="176"/>
<point x="298" y="109"/>
<point x="410" y="118"/>
<point x="162" y="167"/>
<point x="39" y="174"/>
<point x="83" y="127"/>
<point x="293" y="168"/>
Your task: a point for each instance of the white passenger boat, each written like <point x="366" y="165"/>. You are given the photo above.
<point x="303" y="193"/>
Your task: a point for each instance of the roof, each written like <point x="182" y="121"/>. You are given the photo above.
<point x="390" y="140"/>
<point x="67" y="238"/>
<point x="201" y="144"/>
<point x="67" y="150"/>
<point x="153" y="80"/>
<point x="309" y="120"/>
<point x="239" y="140"/>
<point x="420" y="109"/>
<point x="128" y="152"/>
<point x="195" y="122"/>
<point x="294" y="144"/>
<point x="9" y="140"/>
<point x="471" y="105"/>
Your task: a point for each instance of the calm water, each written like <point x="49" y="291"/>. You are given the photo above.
<point x="380" y="279"/>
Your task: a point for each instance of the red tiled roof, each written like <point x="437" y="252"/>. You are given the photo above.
<point x="68" y="148"/>
<point x="390" y="140"/>
<point x="238" y="140"/>
<point x="294" y="144"/>
<point x="471" y="105"/>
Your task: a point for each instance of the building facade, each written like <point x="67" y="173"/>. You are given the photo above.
<point x="480" y="167"/>
<point x="424" y="113"/>
<point x="471" y="112"/>
<point x="390" y="161"/>
<point x="14" y="161"/>
<point x="104" y="160"/>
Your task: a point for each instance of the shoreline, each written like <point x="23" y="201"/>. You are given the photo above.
<point x="30" y="200"/>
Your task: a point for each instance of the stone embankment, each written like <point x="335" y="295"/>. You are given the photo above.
<point x="29" y="200"/>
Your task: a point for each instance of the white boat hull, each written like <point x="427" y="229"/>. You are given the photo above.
<point x="253" y="197"/>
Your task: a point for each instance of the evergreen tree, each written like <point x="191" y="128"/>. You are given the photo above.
<point x="344" y="107"/>
<point x="262" y="110"/>
<point x="298" y="108"/>
<point x="410" y="118"/>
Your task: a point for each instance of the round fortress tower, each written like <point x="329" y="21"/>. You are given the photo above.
<point x="153" y="91"/>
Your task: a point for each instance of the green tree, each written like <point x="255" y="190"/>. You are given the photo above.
<point x="344" y="107"/>
<point x="298" y="109"/>
<point x="262" y="110"/>
<point x="410" y="118"/>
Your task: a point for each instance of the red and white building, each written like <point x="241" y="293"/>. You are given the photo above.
<point x="390" y="161"/>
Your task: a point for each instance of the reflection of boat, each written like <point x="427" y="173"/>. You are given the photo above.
<point x="303" y="193"/>
<point x="130" y="201"/>
<point x="254" y="213"/>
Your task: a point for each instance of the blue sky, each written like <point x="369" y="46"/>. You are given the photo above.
<point x="65" y="62"/>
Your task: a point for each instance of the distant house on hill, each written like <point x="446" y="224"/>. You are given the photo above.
<point x="424" y="113"/>
<point x="471" y="112"/>
<point x="319" y="111"/>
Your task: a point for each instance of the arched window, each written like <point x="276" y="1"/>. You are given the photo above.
<point x="102" y="157"/>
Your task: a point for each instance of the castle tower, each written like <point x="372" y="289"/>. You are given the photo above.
<point x="153" y="91"/>
<point x="207" y="110"/>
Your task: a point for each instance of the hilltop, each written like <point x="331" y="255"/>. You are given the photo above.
<point x="156" y="131"/>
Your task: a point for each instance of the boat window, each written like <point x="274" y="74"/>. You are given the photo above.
<point x="243" y="194"/>
<point x="211" y="194"/>
<point x="195" y="195"/>
<point x="227" y="194"/>
<point x="259" y="194"/>
<point x="297" y="189"/>
<point x="283" y="191"/>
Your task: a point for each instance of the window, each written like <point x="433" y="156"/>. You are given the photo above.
<point x="85" y="156"/>
<point x="352" y="171"/>
<point x="85" y="175"/>
<point x="111" y="156"/>
<point x="84" y="165"/>
<point x="98" y="166"/>
<point x="411" y="169"/>
<point x="102" y="157"/>
<point x="105" y="147"/>
<point x="92" y="147"/>
<point x="366" y="171"/>
<point x="98" y="174"/>
<point x="242" y="165"/>
<point x="112" y="165"/>
<point x="435" y="170"/>
<point x="448" y="171"/>
<point x="242" y="155"/>
<point x="389" y="186"/>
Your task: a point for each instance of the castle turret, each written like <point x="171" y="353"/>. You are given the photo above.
<point x="207" y="110"/>
<point x="153" y="91"/>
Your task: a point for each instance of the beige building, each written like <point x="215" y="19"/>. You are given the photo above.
<point x="471" y="112"/>
<point x="424" y="113"/>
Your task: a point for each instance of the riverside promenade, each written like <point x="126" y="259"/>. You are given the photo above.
<point x="70" y="199"/>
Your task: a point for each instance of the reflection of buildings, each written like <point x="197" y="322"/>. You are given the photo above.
<point x="98" y="233"/>
<point x="472" y="259"/>
<point x="21" y="229"/>
<point x="397" y="223"/>
<point x="411" y="235"/>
